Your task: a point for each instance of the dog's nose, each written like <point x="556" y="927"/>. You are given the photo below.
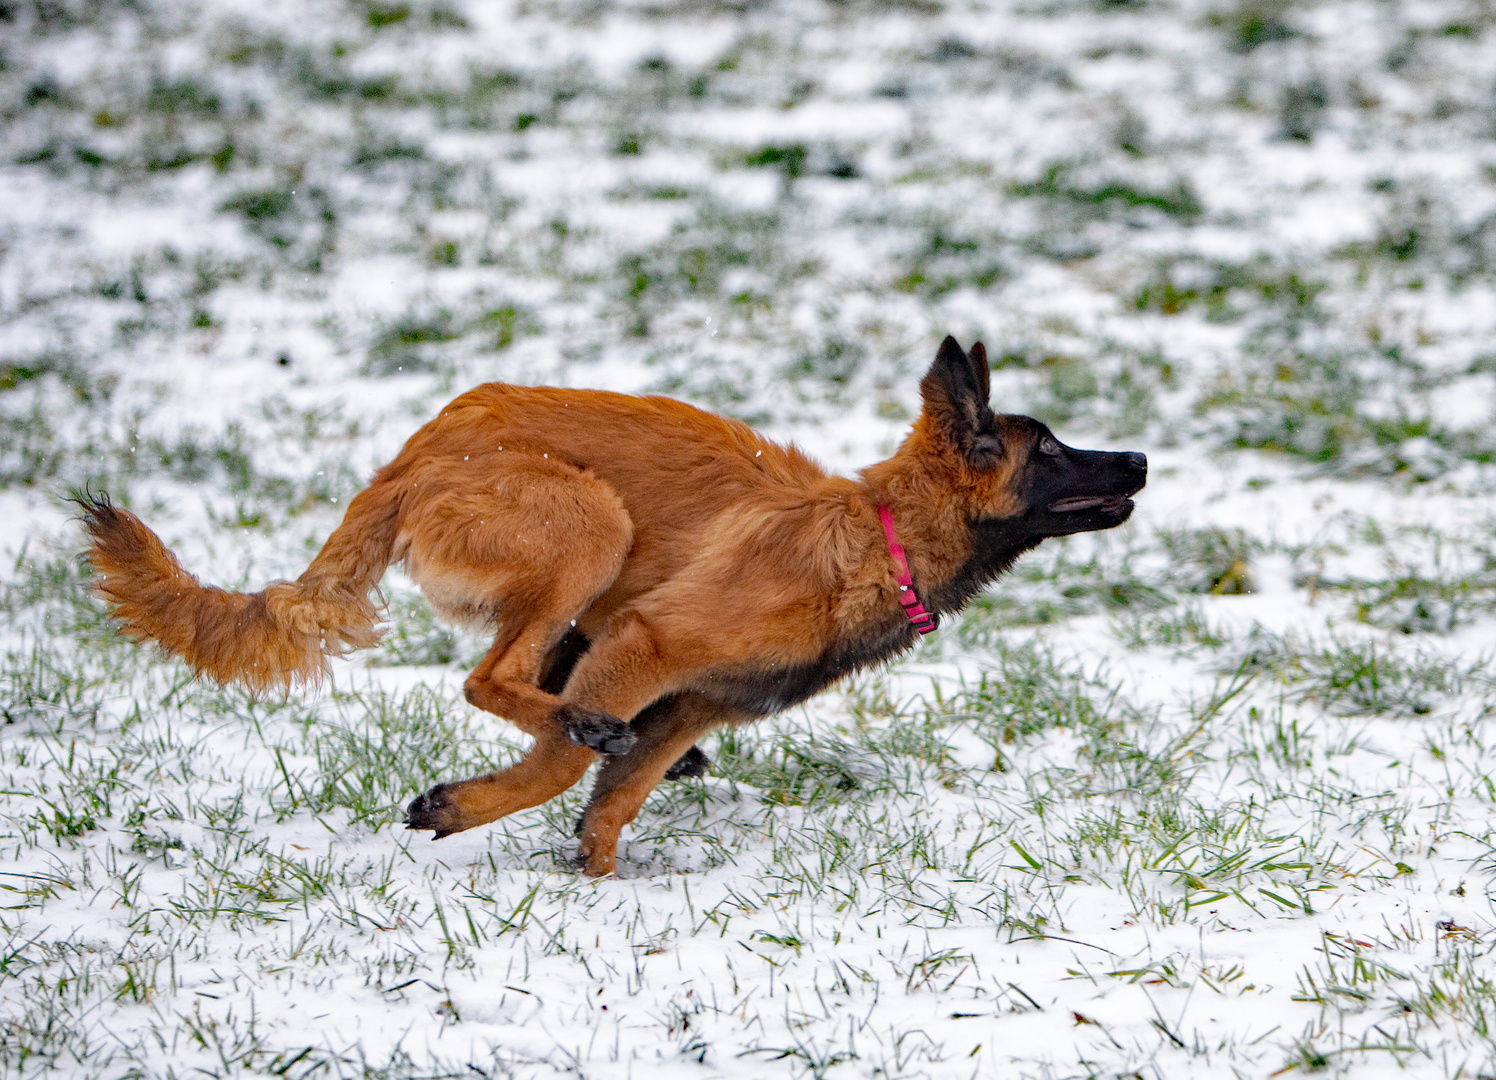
<point x="1137" y="461"/>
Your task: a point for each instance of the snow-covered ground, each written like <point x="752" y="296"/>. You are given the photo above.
<point x="1205" y="796"/>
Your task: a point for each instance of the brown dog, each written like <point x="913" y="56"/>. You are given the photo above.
<point x="649" y="571"/>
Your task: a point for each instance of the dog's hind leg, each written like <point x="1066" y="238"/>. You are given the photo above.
<point x="506" y="683"/>
<point x="525" y="552"/>
<point x="503" y="684"/>
<point x="553" y="764"/>
<point x="562" y="660"/>
<point x="666" y="731"/>
<point x="530" y="551"/>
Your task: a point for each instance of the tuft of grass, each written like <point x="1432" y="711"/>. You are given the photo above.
<point x="1184" y="627"/>
<point x="1228" y="292"/>
<point x="1210" y="560"/>
<point x="1248" y="25"/>
<point x="374" y="753"/>
<point x="1361" y="678"/>
<point x="1102" y="197"/>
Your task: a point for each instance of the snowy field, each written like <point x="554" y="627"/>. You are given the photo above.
<point x="1208" y="796"/>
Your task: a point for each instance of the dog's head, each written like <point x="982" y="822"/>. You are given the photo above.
<point x="1019" y="482"/>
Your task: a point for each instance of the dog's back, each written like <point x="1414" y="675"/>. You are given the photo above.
<point x="688" y="480"/>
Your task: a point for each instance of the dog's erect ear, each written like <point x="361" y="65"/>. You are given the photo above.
<point x="978" y="358"/>
<point x="954" y="395"/>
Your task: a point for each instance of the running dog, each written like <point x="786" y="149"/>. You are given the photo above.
<point x="649" y="571"/>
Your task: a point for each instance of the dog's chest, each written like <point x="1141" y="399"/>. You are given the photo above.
<point x="774" y="688"/>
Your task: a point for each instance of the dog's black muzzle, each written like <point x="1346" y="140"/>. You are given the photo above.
<point x="1086" y="490"/>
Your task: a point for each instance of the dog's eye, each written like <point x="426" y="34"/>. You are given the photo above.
<point x="1049" y="446"/>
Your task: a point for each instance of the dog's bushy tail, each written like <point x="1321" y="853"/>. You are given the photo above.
<point x="278" y="636"/>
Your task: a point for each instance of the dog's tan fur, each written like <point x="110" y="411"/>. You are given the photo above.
<point x="699" y="560"/>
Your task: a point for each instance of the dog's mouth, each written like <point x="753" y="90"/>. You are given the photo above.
<point x="1110" y="504"/>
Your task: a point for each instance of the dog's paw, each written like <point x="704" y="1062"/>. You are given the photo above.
<point x="690" y="764"/>
<point x="432" y="811"/>
<point x="595" y="860"/>
<point x="599" y="732"/>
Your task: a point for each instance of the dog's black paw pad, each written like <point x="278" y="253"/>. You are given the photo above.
<point x="691" y="764"/>
<point x="428" y="811"/>
<point x="598" y="731"/>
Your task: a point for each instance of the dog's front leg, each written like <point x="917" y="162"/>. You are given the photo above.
<point x="664" y="731"/>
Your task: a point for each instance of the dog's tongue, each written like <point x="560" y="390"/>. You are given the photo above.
<point x="1080" y="502"/>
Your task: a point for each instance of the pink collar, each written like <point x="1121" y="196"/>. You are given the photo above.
<point x="923" y="620"/>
